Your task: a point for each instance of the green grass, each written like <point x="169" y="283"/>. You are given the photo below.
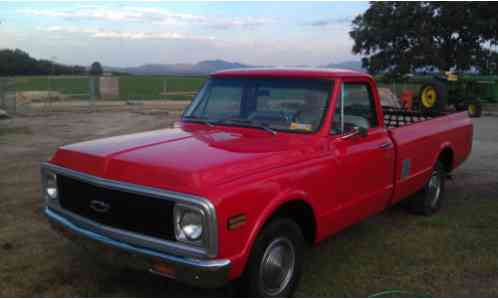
<point x="447" y="254"/>
<point x="151" y="87"/>
<point x="130" y="87"/>
<point x="65" y="85"/>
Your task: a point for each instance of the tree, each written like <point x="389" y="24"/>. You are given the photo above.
<point x="96" y="69"/>
<point x="487" y="22"/>
<point x="17" y="62"/>
<point x="399" y="37"/>
<point x="487" y="63"/>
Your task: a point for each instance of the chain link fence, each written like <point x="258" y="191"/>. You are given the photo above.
<point x="8" y="94"/>
<point x="24" y="94"/>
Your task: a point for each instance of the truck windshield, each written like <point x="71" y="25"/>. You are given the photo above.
<point x="271" y="104"/>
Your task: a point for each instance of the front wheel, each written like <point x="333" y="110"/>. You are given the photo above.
<point x="274" y="267"/>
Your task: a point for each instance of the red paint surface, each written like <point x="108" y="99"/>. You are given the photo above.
<point x="245" y="170"/>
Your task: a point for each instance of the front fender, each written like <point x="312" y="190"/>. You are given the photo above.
<point x="239" y="262"/>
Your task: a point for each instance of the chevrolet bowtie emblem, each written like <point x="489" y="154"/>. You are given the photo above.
<point x="100" y="206"/>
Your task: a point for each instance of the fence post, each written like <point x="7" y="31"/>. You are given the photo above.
<point x="15" y="94"/>
<point x="8" y="102"/>
<point x="93" y="90"/>
<point x="2" y="95"/>
<point x="165" y="88"/>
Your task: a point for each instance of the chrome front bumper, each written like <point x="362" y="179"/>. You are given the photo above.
<point x="192" y="271"/>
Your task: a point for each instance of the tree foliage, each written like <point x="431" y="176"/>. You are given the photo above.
<point x="397" y="38"/>
<point x="96" y="69"/>
<point x="19" y="63"/>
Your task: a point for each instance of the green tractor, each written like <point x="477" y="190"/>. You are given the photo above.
<point x="464" y="93"/>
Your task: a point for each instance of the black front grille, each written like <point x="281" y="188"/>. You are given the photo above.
<point x="136" y="213"/>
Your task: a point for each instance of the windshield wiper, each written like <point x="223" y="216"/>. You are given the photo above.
<point x="247" y="123"/>
<point x="244" y="122"/>
<point x="198" y="119"/>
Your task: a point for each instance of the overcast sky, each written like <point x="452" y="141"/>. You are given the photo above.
<point x="134" y="33"/>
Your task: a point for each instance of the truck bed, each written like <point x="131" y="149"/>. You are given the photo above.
<point x="419" y="139"/>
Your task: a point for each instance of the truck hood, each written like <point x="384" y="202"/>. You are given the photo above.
<point x="184" y="159"/>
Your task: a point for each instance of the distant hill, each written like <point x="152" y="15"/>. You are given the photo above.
<point x="200" y="68"/>
<point x="205" y="67"/>
<point x="351" y="65"/>
<point x="209" y="66"/>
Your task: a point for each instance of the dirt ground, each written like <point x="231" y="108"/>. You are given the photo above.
<point x="453" y="253"/>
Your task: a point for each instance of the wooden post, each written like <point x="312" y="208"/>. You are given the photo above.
<point x="165" y="88"/>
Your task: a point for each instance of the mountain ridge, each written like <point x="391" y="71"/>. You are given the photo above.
<point x="205" y="67"/>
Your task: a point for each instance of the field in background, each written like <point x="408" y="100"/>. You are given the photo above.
<point x="140" y="87"/>
<point x="130" y="87"/>
<point x="24" y="94"/>
<point x="41" y="83"/>
<point x="39" y="89"/>
<point x="152" y="87"/>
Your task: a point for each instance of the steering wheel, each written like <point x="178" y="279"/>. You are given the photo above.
<point x="286" y="117"/>
<point x="273" y="116"/>
<point x="295" y="117"/>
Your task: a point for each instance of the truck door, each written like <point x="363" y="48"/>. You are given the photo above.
<point x="364" y="150"/>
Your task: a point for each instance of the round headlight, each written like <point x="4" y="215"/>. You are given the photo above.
<point x="191" y="225"/>
<point x="51" y="185"/>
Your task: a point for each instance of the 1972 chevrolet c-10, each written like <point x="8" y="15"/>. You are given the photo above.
<point x="261" y="163"/>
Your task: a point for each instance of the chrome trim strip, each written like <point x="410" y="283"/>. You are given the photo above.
<point x="174" y="247"/>
<point x="206" y="264"/>
<point x="169" y="247"/>
<point x="196" y="272"/>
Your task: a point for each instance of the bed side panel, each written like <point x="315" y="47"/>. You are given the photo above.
<point x="420" y="144"/>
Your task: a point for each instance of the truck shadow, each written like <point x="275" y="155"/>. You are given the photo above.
<point x="136" y="283"/>
<point x="105" y="279"/>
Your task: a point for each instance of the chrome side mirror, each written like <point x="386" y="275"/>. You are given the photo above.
<point x="356" y="131"/>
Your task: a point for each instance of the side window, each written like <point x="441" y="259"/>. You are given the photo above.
<point x="358" y="110"/>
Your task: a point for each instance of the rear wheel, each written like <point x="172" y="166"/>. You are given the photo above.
<point x="274" y="267"/>
<point x="429" y="200"/>
<point x="432" y="97"/>
<point x="474" y="109"/>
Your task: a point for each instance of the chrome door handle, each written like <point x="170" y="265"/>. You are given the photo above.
<point x="385" y="145"/>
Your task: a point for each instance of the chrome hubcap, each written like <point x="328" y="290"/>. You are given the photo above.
<point x="277" y="266"/>
<point x="434" y="188"/>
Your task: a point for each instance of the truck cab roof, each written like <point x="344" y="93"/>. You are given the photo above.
<point x="323" y="73"/>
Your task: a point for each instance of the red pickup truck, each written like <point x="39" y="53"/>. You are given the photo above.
<point x="261" y="163"/>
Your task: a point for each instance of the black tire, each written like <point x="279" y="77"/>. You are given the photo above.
<point x="441" y="93"/>
<point x="283" y="232"/>
<point x="476" y="111"/>
<point x="427" y="201"/>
